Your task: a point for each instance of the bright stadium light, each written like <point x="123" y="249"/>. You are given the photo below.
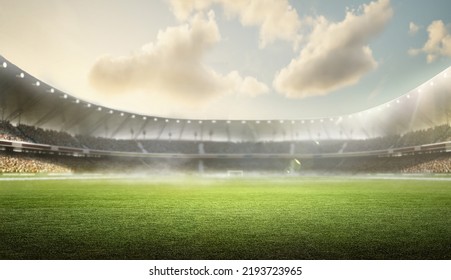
<point x="293" y="122"/>
<point x="5" y="64"/>
<point x="257" y="122"/>
<point x="52" y="90"/>
<point x="89" y="105"/>
<point x="37" y="83"/>
<point x="144" y="118"/>
<point x="122" y="114"/>
<point x="22" y="75"/>
<point x="213" y="121"/>
<point x="281" y="121"/>
<point x="243" y="122"/>
<point x="77" y="101"/>
<point x="155" y="119"/>
<point x="188" y="121"/>
<point x="99" y="109"/>
<point x="200" y="122"/>
<point x="228" y="122"/>
<point x="166" y="120"/>
<point x="177" y="121"/>
<point x="65" y="96"/>
<point x="133" y="116"/>
<point x="269" y="122"/>
<point x="111" y="112"/>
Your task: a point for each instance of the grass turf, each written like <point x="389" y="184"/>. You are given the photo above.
<point x="303" y="218"/>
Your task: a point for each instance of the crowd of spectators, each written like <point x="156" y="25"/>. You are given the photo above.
<point x="9" y="132"/>
<point x="60" y="138"/>
<point x="47" y="136"/>
<point x="436" y="134"/>
<point x="161" y="146"/>
<point x="425" y="163"/>
<point x="20" y="163"/>
<point x="16" y="162"/>
<point x="100" y="143"/>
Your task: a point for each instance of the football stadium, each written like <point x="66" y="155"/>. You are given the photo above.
<point x="84" y="181"/>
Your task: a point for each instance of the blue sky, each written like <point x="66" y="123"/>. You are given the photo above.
<point x="219" y="59"/>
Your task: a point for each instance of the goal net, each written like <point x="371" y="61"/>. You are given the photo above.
<point x="235" y="173"/>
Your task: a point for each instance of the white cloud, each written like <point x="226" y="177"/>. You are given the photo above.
<point x="438" y="43"/>
<point x="336" y="54"/>
<point x="275" y="18"/>
<point x="413" y="28"/>
<point x="172" y="69"/>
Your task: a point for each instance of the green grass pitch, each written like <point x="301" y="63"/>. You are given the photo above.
<point x="206" y="218"/>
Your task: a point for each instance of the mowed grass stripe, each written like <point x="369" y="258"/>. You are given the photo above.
<point x="309" y="218"/>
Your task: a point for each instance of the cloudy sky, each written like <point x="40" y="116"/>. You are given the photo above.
<point x="224" y="59"/>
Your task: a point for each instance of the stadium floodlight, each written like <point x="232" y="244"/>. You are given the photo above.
<point x="65" y="96"/>
<point x="122" y="114"/>
<point x="144" y="118"/>
<point x="111" y="112"/>
<point x="5" y="64"/>
<point x="213" y="121"/>
<point x="281" y="121"/>
<point x="38" y="83"/>
<point x="243" y="122"/>
<point x="228" y="122"/>
<point x="200" y="122"/>
<point x="188" y="121"/>
<point x="269" y="122"/>
<point x="52" y="90"/>
<point x="293" y="122"/>
<point x="99" y="109"/>
<point x="257" y="122"/>
<point x="22" y="75"/>
<point x="89" y="105"/>
<point x="166" y="120"/>
<point x="77" y="101"/>
<point x="133" y="116"/>
<point x="177" y="121"/>
<point x="155" y="119"/>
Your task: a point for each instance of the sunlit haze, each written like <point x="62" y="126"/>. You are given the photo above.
<point x="220" y="59"/>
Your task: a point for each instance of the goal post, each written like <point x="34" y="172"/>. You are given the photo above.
<point x="235" y="173"/>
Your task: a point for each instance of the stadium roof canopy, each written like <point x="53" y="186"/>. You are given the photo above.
<point x="25" y="99"/>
